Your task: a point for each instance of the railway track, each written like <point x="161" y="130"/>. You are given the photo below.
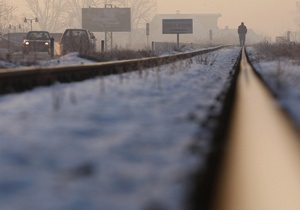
<point x="113" y="127"/>
<point x="17" y="80"/>
<point x="260" y="167"/>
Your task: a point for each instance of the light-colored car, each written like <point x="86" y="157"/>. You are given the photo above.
<point x="16" y="37"/>
<point x="8" y="47"/>
<point x="77" y="40"/>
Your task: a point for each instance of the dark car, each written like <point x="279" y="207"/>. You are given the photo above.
<point x="77" y="40"/>
<point x="37" y="41"/>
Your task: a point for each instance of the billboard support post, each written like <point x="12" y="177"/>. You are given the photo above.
<point x="102" y="45"/>
<point x="147" y="33"/>
<point x="177" y="41"/>
<point x="147" y="41"/>
<point x="108" y="35"/>
<point x="108" y="41"/>
<point x="210" y="35"/>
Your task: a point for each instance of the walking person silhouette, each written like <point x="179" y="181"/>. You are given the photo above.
<point x="242" y="31"/>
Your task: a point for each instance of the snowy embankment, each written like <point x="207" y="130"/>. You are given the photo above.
<point x="110" y="143"/>
<point x="282" y="76"/>
<point x="69" y="59"/>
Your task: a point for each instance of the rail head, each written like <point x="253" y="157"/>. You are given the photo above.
<point x="261" y="166"/>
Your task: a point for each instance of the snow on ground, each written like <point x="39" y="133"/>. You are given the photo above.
<point x="111" y="143"/>
<point x="69" y="59"/>
<point x="282" y="75"/>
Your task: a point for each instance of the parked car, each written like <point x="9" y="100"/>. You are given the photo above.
<point x="16" y="37"/>
<point x="37" y="41"/>
<point x="8" y="47"/>
<point x="77" y="40"/>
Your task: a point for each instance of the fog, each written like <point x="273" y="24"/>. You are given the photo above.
<point x="268" y="18"/>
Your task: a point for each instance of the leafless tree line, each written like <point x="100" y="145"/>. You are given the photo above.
<point x="56" y="14"/>
<point x="6" y="14"/>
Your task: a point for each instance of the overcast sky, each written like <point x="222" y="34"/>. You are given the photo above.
<point x="267" y="17"/>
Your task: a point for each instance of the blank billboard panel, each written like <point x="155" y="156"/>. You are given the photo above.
<point x="177" y="26"/>
<point x="106" y="19"/>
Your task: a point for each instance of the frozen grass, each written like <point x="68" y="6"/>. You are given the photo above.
<point x="207" y="59"/>
<point x="280" y="56"/>
<point x="278" y="66"/>
<point x="118" y="55"/>
<point x="268" y="51"/>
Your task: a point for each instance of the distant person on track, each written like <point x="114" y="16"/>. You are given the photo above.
<point x="242" y="30"/>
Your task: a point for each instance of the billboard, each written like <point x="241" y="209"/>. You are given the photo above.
<point x="177" y="26"/>
<point x="106" y="19"/>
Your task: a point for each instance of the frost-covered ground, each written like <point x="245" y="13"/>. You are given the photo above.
<point x="282" y="75"/>
<point x="69" y="59"/>
<point x="112" y="143"/>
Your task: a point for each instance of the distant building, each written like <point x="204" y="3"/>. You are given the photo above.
<point x="289" y="36"/>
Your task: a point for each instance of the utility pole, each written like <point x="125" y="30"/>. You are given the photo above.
<point x="147" y="33"/>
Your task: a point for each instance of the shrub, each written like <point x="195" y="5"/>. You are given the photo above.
<point x="118" y="55"/>
<point x="289" y="50"/>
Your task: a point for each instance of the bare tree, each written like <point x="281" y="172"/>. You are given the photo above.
<point x="6" y="14"/>
<point x="52" y="15"/>
<point x="297" y="20"/>
<point x="75" y="7"/>
<point x="56" y="14"/>
<point x="142" y="11"/>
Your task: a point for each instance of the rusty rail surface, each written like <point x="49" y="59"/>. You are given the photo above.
<point x="261" y="165"/>
<point x="16" y="80"/>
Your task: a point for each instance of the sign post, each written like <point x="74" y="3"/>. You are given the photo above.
<point x="147" y="32"/>
<point x="177" y="26"/>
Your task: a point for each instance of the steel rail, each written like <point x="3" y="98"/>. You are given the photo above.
<point x="261" y="165"/>
<point x="17" y="80"/>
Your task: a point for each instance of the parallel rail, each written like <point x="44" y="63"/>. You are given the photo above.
<point x="16" y="80"/>
<point x="261" y="165"/>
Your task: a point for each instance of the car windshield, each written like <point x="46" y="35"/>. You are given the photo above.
<point x="75" y="33"/>
<point x="38" y="35"/>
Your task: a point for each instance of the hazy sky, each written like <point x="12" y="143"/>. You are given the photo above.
<point x="267" y="17"/>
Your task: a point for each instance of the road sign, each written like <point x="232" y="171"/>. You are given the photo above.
<point x="177" y="26"/>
